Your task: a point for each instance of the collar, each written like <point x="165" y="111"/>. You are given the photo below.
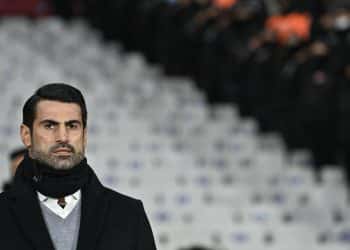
<point x="51" y="203"/>
<point x="94" y="204"/>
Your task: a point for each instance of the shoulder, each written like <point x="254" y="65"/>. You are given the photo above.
<point x="123" y="201"/>
<point x="124" y="209"/>
<point x="115" y="199"/>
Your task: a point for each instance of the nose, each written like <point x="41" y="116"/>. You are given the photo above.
<point x="62" y="134"/>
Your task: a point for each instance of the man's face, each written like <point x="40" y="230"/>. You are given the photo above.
<point x="58" y="137"/>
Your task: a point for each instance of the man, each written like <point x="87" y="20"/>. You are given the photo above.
<point x="15" y="157"/>
<point x="56" y="201"/>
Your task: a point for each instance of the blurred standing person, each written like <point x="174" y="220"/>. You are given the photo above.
<point x="15" y="157"/>
<point x="344" y="119"/>
<point x="68" y="9"/>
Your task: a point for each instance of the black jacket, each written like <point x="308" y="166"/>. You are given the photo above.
<point x="109" y="220"/>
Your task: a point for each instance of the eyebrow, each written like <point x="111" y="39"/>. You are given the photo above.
<point x="56" y="122"/>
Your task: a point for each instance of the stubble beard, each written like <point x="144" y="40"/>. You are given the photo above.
<point x="55" y="161"/>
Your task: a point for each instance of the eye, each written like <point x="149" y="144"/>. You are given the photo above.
<point x="49" y="125"/>
<point x="73" y="125"/>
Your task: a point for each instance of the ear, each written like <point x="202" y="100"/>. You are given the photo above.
<point x="26" y="135"/>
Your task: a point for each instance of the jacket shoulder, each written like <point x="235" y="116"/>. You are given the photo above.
<point x="123" y="200"/>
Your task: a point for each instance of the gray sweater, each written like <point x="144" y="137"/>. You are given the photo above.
<point x="64" y="232"/>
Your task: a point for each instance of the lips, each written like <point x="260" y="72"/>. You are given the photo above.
<point x="62" y="151"/>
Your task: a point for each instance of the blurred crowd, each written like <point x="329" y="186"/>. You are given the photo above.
<point x="284" y="62"/>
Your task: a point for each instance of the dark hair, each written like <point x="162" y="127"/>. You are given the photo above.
<point x="54" y="92"/>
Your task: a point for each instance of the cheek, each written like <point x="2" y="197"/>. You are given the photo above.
<point x="77" y="140"/>
<point x="42" y="140"/>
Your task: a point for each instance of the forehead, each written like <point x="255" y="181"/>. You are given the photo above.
<point x="57" y="111"/>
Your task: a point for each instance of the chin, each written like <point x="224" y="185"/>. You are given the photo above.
<point x="62" y="164"/>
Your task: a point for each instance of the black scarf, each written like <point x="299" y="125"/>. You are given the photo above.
<point x="51" y="182"/>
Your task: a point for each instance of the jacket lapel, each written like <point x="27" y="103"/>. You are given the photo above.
<point x="94" y="210"/>
<point x="27" y="213"/>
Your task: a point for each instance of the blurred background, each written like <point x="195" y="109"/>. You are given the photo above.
<point x="229" y="118"/>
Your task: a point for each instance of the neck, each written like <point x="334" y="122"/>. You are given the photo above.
<point x="52" y="182"/>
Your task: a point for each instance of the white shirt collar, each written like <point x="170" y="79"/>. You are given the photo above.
<point x="51" y="203"/>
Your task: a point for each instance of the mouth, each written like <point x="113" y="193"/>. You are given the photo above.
<point x="63" y="152"/>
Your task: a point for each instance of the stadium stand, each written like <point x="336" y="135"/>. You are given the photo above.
<point x="283" y="62"/>
<point x="207" y="176"/>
